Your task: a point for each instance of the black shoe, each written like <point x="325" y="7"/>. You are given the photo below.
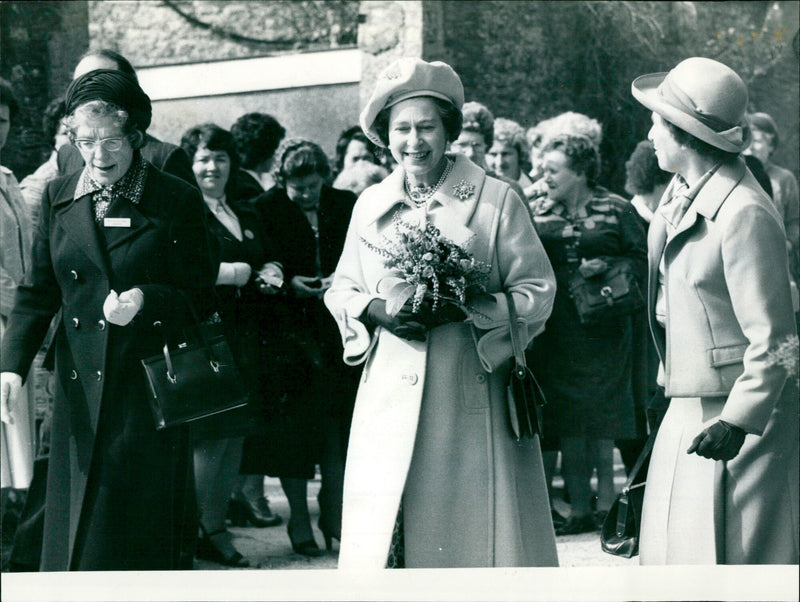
<point x="329" y="534"/>
<point x="242" y="511"/>
<point x="208" y="550"/>
<point x="306" y="548"/>
<point x="577" y="524"/>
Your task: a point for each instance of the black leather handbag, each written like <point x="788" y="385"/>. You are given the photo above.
<point x="194" y="380"/>
<point x="619" y="534"/>
<point x="607" y="295"/>
<point x="525" y="396"/>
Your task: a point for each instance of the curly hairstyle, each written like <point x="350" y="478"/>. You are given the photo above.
<point x="346" y="137"/>
<point x="451" y="119"/>
<point x="583" y="155"/>
<point x="511" y="133"/>
<point x="214" y="138"/>
<point x="297" y="158"/>
<point x="257" y="135"/>
<point x="99" y="109"/>
<point x="479" y="119"/>
<point x="574" y="124"/>
<point x="642" y="173"/>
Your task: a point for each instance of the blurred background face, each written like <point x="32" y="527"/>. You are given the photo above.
<point x="5" y="124"/>
<point x="90" y="63"/>
<point x="356" y="151"/>
<point x="472" y="146"/>
<point x="211" y="168"/>
<point x="417" y="138"/>
<point x="305" y="190"/>
<point x="761" y="146"/>
<point x="503" y="159"/>
<point x="105" y="149"/>
<point x="562" y="181"/>
<point x="61" y="137"/>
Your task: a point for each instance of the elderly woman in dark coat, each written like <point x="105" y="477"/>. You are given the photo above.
<point x="116" y="243"/>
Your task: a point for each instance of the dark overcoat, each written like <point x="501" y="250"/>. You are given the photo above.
<point x="118" y="491"/>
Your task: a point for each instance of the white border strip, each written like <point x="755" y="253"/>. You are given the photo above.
<point x="251" y="75"/>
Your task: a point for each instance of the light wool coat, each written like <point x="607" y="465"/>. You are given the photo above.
<point x="728" y="311"/>
<point x="430" y="423"/>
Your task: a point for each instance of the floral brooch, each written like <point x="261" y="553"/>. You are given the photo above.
<point x="463" y="190"/>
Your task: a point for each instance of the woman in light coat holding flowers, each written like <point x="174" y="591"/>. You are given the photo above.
<point x="434" y="477"/>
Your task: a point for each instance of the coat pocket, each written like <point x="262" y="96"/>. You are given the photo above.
<point x="725" y="356"/>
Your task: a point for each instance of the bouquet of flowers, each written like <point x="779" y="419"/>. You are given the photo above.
<point x="427" y="266"/>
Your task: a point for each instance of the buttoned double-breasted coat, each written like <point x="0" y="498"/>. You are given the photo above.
<point x="430" y="421"/>
<point x="728" y="315"/>
<point x="118" y="491"/>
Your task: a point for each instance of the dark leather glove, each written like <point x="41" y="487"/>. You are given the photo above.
<point x="720" y="441"/>
<point x="405" y="324"/>
<point x="443" y="314"/>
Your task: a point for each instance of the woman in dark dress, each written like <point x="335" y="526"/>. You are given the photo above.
<point x="308" y="221"/>
<point x="242" y="254"/>
<point x="116" y="244"/>
<point x="586" y="371"/>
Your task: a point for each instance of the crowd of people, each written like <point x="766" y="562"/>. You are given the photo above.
<point x="397" y="395"/>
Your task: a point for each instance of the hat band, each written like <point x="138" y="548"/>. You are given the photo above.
<point x="677" y="98"/>
<point x="393" y="100"/>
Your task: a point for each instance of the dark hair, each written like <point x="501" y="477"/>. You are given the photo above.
<point x="642" y="173"/>
<point x="684" y="138"/>
<point x="51" y="119"/>
<point x="451" y="120"/>
<point x="584" y="158"/>
<point x="122" y="63"/>
<point x="756" y="167"/>
<point x="298" y="158"/>
<point x="479" y="119"/>
<point x="257" y="135"/>
<point x="214" y="138"/>
<point x="765" y="123"/>
<point x="8" y="98"/>
<point x="346" y="137"/>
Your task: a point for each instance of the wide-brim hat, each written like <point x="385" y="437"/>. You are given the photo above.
<point x="408" y="78"/>
<point x="702" y="97"/>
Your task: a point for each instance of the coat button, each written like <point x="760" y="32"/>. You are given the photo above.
<point x="74" y="274"/>
<point x="101" y="325"/>
<point x="73" y="375"/>
<point x="76" y="322"/>
<point x="410" y="378"/>
<point x="99" y="375"/>
<point x="481" y="378"/>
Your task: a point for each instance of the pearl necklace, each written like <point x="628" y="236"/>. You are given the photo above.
<point x="420" y="195"/>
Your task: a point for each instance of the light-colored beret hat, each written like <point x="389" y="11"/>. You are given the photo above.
<point x="406" y="78"/>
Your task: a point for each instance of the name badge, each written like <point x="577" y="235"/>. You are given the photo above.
<point x="117" y="222"/>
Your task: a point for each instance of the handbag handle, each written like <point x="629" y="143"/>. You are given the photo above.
<point x="520" y="365"/>
<point x="648" y="447"/>
<point x="209" y="350"/>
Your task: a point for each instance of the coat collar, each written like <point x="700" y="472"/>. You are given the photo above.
<point x="459" y="192"/>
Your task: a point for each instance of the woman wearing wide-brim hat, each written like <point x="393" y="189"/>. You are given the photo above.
<point x="722" y="486"/>
<point x="431" y="461"/>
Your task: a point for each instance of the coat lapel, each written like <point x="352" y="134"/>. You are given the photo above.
<point x="132" y="223"/>
<point x="76" y="217"/>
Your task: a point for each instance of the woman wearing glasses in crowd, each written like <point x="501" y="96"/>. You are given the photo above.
<point x="116" y="243"/>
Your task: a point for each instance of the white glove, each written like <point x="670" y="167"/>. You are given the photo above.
<point x="121" y="309"/>
<point x="10" y="387"/>
<point x="235" y="273"/>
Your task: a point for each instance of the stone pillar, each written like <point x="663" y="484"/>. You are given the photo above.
<point x="390" y="30"/>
